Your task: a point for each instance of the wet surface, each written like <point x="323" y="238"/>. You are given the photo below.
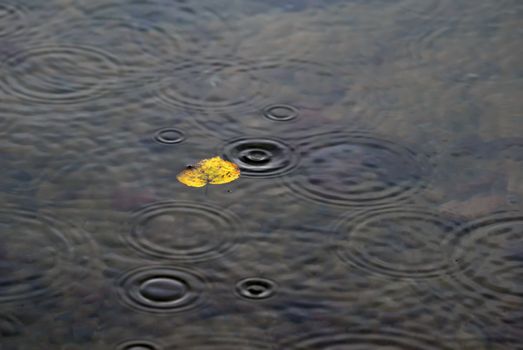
<point x="381" y="158"/>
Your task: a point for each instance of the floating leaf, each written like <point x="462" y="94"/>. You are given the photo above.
<point x="213" y="171"/>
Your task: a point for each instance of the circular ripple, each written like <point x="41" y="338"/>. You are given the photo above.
<point x="138" y="44"/>
<point x="161" y="289"/>
<point x="137" y="345"/>
<point x="489" y="253"/>
<point x="255" y="288"/>
<point x="169" y="136"/>
<point x="280" y="113"/>
<point x="399" y="242"/>
<point x="356" y="169"/>
<point x="59" y="74"/>
<point x="227" y="96"/>
<point x="364" y="339"/>
<point x="211" y="86"/>
<point x="183" y="231"/>
<point x="40" y="256"/>
<point x="184" y="26"/>
<point x="12" y="20"/>
<point x="261" y="157"/>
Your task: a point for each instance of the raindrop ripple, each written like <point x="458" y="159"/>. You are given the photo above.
<point x="137" y="345"/>
<point x="280" y="113"/>
<point x="59" y="74"/>
<point x="261" y="157"/>
<point x="161" y="289"/>
<point x="161" y="29"/>
<point x="226" y="96"/>
<point x="183" y="231"/>
<point x="399" y="242"/>
<point x="209" y="86"/>
<point x="139" y="45"/>
<point x="489" y="253"/>
<point x="255" y="288"/>
<point x="56" y="258"/>
<point x="357" y="169"/>
<point x="169" y="136"/>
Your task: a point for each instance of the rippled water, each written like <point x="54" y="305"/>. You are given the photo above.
<point x="381" y="157"/>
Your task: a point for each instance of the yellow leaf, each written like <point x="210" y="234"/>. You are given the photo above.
<point x="213" y="171"/>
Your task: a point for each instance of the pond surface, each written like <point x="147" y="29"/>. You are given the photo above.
<point x="381" y="153"/>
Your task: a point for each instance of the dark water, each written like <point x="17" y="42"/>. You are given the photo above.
<point x="379" y="206"/>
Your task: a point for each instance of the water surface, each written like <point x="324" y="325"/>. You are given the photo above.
<point x="380" y="200"/>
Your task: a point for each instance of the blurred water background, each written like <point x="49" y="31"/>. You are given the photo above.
<point x="379" y="206"/>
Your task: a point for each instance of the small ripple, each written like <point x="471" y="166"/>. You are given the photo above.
<point x="357" y="169"/>
<point x="183" y="231"/>
<point x="280" y="112"/>
<point x="161" y="289"/>
<point x="138" y="345"/>
<point x="59" y="74"/>
<point x="261" y="157"/>
<point x="364" y="339"/>
<point x="169" y="136"/>
<point x="12" y="20"/>
<point x="283" y="270"/>
<point x="56" y="258"/>
<point x="255" y="288"/>
<point x="489" y="253"/>
<point x="398" y="242"/>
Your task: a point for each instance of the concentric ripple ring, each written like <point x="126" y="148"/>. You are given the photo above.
<point x="137" y="345"/>
<point x="161" y="289"/>
<point x="255" y="288"/>
<point x="281" y="112"/>
<point x="399" y="242"/>
<point x="169" y="136"/>
<point x="57" y="252"/>
<point x="489" y="254"/>
<point x="261" y="157"/>
<point x="183" y="231"/>
<point x="209" y="86"/>
<point x="59" y="74"/>
<point x="356" y="169"/>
